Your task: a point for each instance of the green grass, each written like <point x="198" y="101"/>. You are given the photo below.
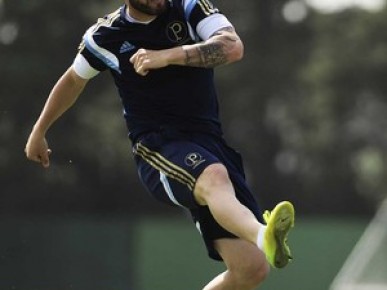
<point x="171" y="255"/>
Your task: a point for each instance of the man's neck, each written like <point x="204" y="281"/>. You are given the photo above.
<point x="138" y="16"/>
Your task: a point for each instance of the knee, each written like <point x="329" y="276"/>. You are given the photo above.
<point x="257" y="274"/>
<point x="214" y="175"/>
<point x="251" y="274"/>
<point x="213" y="179"/>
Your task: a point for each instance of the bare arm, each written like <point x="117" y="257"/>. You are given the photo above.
<point x="62" y="97"/>
<point x="223" y="47"/>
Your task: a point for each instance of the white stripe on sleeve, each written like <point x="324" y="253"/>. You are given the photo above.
<point x="83" y="68"/>
<point x="108" y="58"/>
<point x="211" y="24"/>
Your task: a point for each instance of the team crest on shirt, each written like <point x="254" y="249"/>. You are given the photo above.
<point x="177" y="32"/>
<point x="194" y="160"/>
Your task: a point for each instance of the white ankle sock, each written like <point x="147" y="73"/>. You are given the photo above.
<point x="261" y="236"/>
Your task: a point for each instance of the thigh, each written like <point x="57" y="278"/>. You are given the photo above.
<point x="210" y="230"/>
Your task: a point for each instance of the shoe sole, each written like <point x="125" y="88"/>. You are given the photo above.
<point x="283" y="216"/>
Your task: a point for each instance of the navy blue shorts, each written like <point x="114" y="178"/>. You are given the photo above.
<point x="169" y="164"/>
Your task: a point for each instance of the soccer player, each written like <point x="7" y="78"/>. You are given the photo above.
<point x="161" y="55"/>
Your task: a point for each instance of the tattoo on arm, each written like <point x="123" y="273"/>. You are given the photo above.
<point x="220" y="31"/>
<point x="212" y="53"/>
<point x="189" y="58"/>
<point x="206" y="55"/>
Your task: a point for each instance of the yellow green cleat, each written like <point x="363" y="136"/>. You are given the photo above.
<point x="279" y="222"/>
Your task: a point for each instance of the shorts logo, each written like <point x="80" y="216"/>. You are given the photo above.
<point x="177" y="31"/>
<point x="194" y="160"/>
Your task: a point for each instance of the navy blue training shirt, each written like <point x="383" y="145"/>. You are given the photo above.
<point x="180" y="97"/>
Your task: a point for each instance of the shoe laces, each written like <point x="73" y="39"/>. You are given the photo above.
<point x="266" y="216"/>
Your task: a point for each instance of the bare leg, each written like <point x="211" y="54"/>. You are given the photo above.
<point x="214" y="189"/>
<point x="246" y="266"/>
<point x="246" y="263"/>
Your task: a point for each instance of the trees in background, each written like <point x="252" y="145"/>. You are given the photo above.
<point x="306" y="107"/>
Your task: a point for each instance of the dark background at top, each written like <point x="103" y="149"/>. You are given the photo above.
<point x="306" y="107"/>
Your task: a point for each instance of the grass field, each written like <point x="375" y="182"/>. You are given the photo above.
<point x="123" y="253"/>
<point x="171" y="255"/>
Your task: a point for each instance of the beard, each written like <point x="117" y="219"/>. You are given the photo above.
<point x="148" y="8"/>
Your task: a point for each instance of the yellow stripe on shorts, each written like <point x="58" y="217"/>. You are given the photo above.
<point x="157" y="161"/>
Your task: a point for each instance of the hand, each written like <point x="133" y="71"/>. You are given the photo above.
<point x="145" y="60"/>
<point x="37" y="149"/>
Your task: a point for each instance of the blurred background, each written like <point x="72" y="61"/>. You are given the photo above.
<point x="307" y="108"/>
